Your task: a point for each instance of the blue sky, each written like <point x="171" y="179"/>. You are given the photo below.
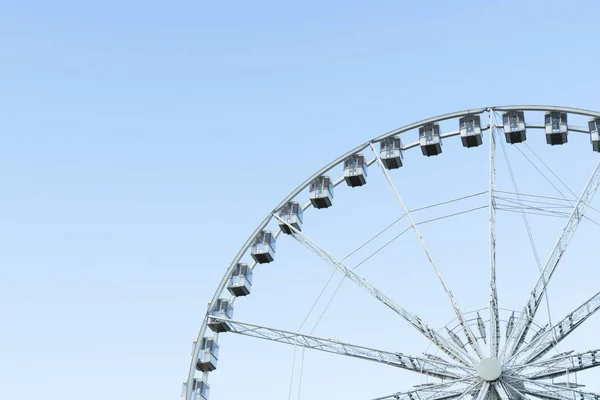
<point x="142" y="142"/>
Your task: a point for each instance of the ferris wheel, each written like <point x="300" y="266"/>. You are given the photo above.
<point x="491" y="352"/>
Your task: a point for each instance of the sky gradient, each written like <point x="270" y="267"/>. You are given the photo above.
<point x="142" y="142"/>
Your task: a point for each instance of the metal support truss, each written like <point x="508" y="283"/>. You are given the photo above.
<point x="472" y="390"/>
<point x="494" y="318"/>
<point x="484" y="391"/>
<point x="461" y="318"/>
<point x="416" y="364"/>
<point x="532" y="305"/>
<point x="414" y="320"/>
<point x="506" y="392"/>
<point x="441" y="391"/>
<point x="513" y="390"/>
<point x="549" y="339"/>
<point x="553" y="392"/>
<point x="560" y="366"/>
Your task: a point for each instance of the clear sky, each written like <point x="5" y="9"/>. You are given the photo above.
<point x="141" y="142"/>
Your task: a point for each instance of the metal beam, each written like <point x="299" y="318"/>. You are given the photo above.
<point x="494" y="318"/>
<point x="416" y="364"/>
<point x="473" y="390"/>
<point x="461" y="318"/>
<point x="414" y="320"/>
<point x="549" y="339"/>
<point x="502" y="393"/>
<point x="507" y="392"/>
<point x="553" y="392"/>
<point x="484" y="391"/>
<point x="481" y="327"/>
<point x="560" y="366"/>
<point x="539" y="290"/>
<point x="430" y="392"/>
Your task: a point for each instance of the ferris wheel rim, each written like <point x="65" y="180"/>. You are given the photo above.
<point x="335" y="162"/>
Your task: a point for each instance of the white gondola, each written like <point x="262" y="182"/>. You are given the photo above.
<point x="240" y="282"/>
<point x="263" y="247"/>
<point x="355" y="170"/>
<point x="200" y="389"/>
<point x="514" y="126"/>
<point x="293" y="215"/>
<point x="208" y="356"/>
<point x="391" y="152"/>
<point x="223" y="309"/>
<point x="470" y="130"/>
<point x="594" y="125"/>
<point x="430" y="140"/>
<point x="321" y="192"/>
<point x="556" y="127"/>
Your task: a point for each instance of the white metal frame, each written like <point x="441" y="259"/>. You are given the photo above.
<point x="524" y="368"/>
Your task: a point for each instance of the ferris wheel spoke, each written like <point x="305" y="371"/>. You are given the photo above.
<point x="442" y="391"/>
<point x="565" y="365"/>
<point x="550" y="339"/>
<point x="505" y="392"/>
<point x="553" y="392"/>
<point x="512" y="392"/>
<point x="458" y="394"/>
<point x="494" y="317"/>
<point x="483" y="392"/>
<point x="442" y="343"/>
<point x="539" y="290"/>
<point x="473" y="390"/>
<point x="463" y="322"/>
<point x="423" y="366"/>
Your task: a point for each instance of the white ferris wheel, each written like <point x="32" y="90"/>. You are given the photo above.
<point x="492" y="352"/>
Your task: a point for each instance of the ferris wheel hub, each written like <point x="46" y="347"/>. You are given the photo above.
<point x="489" y="369"/>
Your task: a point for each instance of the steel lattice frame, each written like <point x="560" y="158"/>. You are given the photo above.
<point x="518" y="370"/>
